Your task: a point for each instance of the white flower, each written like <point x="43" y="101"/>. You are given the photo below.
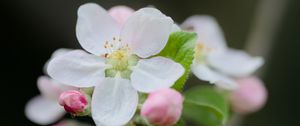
<point x="214" y="61"/>
<point x="117" y="66"/>
<point x="44" y="109"/>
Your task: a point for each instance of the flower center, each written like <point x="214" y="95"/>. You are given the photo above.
<point x="119" y="59"/>
<point x="201" y="52"/>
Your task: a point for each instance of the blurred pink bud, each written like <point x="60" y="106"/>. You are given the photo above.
<point x="163" y="107"/>
<point x="74" y="102"/>
<point x="250" y="96"/>
<point x="120" y="13"/>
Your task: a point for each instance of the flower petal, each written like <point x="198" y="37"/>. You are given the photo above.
<point x="155" y="73"/>
<point x="120" y="14"/>
<point x="175" y="28"/>
<point x="43" y="111"/>
<point x="147" y="31"/>
<point x="57" y="52"/>
<point x="208" y="30"/>
<point x="51" y="89"/>
<point x="77" y="68"/>
<point x="114" y="102"/>
<point x="205" y="73"/>
<point x="235" y="62"/>
<point x="95" y="27"/>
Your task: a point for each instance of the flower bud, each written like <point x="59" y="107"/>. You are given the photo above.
<point x="163" y="107"/>
<point x="75" y="102"/>
<point x="120" y="13"/>
<point x="250" y="95"/>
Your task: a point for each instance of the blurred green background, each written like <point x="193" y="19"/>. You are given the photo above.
<point x="33" y="29"/>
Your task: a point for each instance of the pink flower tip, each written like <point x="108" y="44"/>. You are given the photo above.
<point x="250" y="96"/>
<point x="74" y="102"/>
<point x="120" y="13"/>
<point x="163" y="107"/>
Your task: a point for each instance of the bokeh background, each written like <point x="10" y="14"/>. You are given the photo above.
<point x="33" y="29"/>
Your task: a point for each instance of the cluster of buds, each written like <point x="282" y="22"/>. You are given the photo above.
<point x="162" y="107"/>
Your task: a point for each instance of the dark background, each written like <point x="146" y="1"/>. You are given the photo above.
<point x="33" y="29"/>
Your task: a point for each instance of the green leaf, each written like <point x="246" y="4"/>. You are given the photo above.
<point x="180" y="48"/>
<point x="205" y="106"/>
<point x="181" y="122"/>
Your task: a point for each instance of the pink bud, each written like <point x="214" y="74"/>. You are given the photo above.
<point x="120" y="13"/>
<point x="74" y="102"/>
<point x="163" y="107"/>
<point x="250" y="96"/>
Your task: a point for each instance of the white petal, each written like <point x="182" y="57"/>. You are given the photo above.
<point x="147" y="32"/>
<point x="205" y="73"/>
<point x="77" y="68"/>
<point x="57" y="52"/>
<point x="208" y="30"/>
<point x="94" y="27"/>
<point x="50" y="88"/>
<point x="43" y="111"/>
<point x="175" y="28"/>
<point x="114" y="102"/>
<point x="120" y="14"/>
<point x="235" y="63"/>
<point x="155" y="73"/>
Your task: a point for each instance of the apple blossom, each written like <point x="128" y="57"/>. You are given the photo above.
<point x="163" y="107"/>
<point x="214" y="61"/>
<point x="120" y="63"/>
<point x="75" y="102"/>
<point x="250" y="96"/>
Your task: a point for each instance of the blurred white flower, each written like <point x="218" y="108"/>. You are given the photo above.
<point x="44" y="109"/>
<point x="117" y="66"/>
<point x="214" y="61"/>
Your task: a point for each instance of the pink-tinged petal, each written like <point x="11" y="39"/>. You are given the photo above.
<point x="50" y="88"/>
<point x="120" y="14"/>
<point x="77" y="68"/>
<point x="43" y="111"/>
<point x="250" y="96"/>
<point x="95" y="27"/>
<point x="163" y="107"/>
<point x="147" y="32"/>
<point x="155" y="73"/>
<point x="205" y="73"/>
<point x="208" y="30"/>
<point x="235" y="62"/>
<point x="114" y="102"/>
